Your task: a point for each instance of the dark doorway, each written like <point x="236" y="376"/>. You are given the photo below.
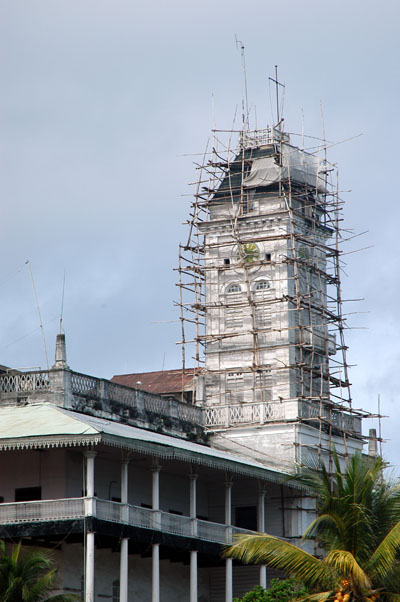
<point x="28" y="494"/>
<point x="246" y="517"/>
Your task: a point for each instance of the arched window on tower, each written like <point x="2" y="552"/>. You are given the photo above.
<point x="261" y="285"/>
<point x="233" y="288"/>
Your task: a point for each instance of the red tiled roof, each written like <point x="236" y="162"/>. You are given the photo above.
<point x="160" y="383"/>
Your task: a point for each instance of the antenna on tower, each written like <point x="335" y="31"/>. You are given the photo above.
<point x="27" y="262"/>
<point x="246" y="100"/>
<point x="379" y="425"/>
<point x="62" y="304"/>
<point x="277" y="84"/>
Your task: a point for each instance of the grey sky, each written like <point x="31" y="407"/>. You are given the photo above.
<point x="100" y="100"/>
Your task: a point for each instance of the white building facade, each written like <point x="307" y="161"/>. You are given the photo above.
<point x="122" y="486"/>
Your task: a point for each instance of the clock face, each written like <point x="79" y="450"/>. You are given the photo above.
<point x="304" y="253"/>
<point x="248" y="253"/>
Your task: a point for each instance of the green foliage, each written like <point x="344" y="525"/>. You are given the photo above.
<point x="280" y="590"/>
<point x="356" y="509"/>
<point x="358" y="525"/>
<point x="28" y="576"/>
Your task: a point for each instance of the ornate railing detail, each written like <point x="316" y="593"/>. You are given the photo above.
<point x="99" y="389"/>
<point x="217" y="416"/>
<point x="246" y="413"/>
<point x="158" y="405"/>
<point x="190" y="413"/>
<point x="153" y="403"/>
<point x="26" y="382"/>
<point x="121" y="394"/>
<point x="84" y="385"/>
<point x="337" y="418"/>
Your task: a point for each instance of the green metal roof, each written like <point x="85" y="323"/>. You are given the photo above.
<point x="47" y="425"/>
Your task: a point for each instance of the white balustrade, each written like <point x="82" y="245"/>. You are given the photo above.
<point x="24" y="383"/>
<point x="44" y="510"/>
<point x="82" y="384"/>
<point x="95" y="388"/>
<point x="74" y="508"/>
<point x="339" y="419"/>
<point x="244" y="413"/>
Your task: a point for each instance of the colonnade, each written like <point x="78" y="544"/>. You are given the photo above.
<point x="156" y="468"/>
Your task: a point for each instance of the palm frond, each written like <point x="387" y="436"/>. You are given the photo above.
<point x="346" y="565"/>
<point x="279" y="554"/>
<point x="29" y="576"/>
<point x="392" y="597"/>
<point x="318" y="597"/>
<point x="15" y="553"/>
<point x="42" y="585"/>
<point x="383" y="559"/>
<point x="327" y="525"/>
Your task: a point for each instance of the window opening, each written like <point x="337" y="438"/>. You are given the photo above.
<point x="263" y="386"/>
<point x="233" y="317"/>
<point x="28" y="494"/>
<point x="234" y="376"/>
<point x="246" y="518"/>
<point x="234" y="386"/>
<point x="261" y="285"/>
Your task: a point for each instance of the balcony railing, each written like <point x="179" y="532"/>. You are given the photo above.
<point x="48" y="381"/>
<point x="336" y="418"/>
<point x="244" y="413"/>
<point x="79" y="508"/>
<point x="26" y="382"/>
<point x="82" y="385"/>
<point x="256" y="138"/>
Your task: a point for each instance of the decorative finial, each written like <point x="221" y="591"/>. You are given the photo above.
<point x="61" y="352"/>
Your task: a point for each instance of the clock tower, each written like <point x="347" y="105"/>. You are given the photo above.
<point x="264" y="268"/>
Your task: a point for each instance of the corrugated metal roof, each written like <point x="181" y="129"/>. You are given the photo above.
<point x="47" y="425"/>
<point x="40" y="420"/>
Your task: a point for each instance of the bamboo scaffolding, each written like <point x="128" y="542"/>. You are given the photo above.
<point x="304" y="298"/>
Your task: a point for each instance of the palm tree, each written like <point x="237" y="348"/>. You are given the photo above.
<point x="358" y="525"/>
<point x="28" y="576"/>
